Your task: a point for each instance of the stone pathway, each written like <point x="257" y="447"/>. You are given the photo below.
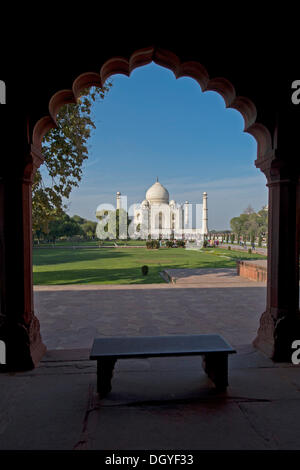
<point x="155" y="403"/>
<point x="259" y="250"/>
<point x="210" y="301"/>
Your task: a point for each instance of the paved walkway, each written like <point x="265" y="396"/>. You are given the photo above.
<point x="155" y="403"/>
<point x="259" y="250"/>
<point x="201" y="301"/>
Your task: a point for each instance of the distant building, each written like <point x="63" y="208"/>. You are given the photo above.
<point x="158" y="217"/>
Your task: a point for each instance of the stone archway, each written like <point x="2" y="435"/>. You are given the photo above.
<point x="280" y="322"/>
<point x="192" y="69"/>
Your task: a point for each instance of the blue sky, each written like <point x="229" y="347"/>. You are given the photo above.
<point x="150" y="125"/>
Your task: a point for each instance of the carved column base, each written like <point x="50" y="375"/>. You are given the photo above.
<point x="24" y="346"/>
<point x="276" y="335"/>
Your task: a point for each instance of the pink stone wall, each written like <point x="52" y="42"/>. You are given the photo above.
<point x="250" y="270"/>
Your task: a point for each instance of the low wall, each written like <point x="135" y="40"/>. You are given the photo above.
<point x="255" y="270"/>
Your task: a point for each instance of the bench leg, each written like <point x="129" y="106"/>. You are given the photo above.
<point x="105" y="368"/>
<point x="216" y="367"/>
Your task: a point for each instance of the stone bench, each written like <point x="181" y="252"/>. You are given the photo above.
<point x="214" y="349"/>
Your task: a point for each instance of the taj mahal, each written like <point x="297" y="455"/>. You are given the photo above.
<point x="159" y="217"/>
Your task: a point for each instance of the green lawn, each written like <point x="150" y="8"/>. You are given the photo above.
<point x="123" y="265"/>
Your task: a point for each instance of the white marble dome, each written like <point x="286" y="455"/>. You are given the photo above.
<point x="157" y="194"/>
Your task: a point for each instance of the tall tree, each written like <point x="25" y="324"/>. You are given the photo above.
<point x="262" y="221"/>
<point x="236" y="225"/>
<point x="63" y="226"/>
<point x="249" y="210"/>
<point x="250" y="224"/>
<point x="89" y="228"/>
<point x="65" y="149"/>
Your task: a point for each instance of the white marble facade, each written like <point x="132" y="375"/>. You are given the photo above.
<point x="158" y="217"/>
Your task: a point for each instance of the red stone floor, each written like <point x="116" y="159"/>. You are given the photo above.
<point x="162" y="404"/>
<point x="201" y="301"/>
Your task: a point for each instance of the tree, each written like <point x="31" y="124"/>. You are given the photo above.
<point x="262" y="221"/>
<point x="78" y="219"/>
<point x="250" y="224"/>
<point x="64" y="149"/>
<point x="63" y="226"/>
<point x="89" y="228"/>
<point x="249" y="210"/>
<point x="236" y="225"/>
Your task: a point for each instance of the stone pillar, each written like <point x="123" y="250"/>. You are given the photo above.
<point x="19" y="327"/>
<point x="204" y="215"/>
<point x="280" y="323"/>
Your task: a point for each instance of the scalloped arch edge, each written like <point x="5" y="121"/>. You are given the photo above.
<point x="167" y="59"/>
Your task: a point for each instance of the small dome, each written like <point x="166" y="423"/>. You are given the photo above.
<point x="145" y="203"/>
<point x="157" y="194"/>
<point x="172" y="202"/>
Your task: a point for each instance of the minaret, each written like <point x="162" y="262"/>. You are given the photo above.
<point x="186" y="214"/>
<point x="204" y="215"/>
<point x="118" y="200"/>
